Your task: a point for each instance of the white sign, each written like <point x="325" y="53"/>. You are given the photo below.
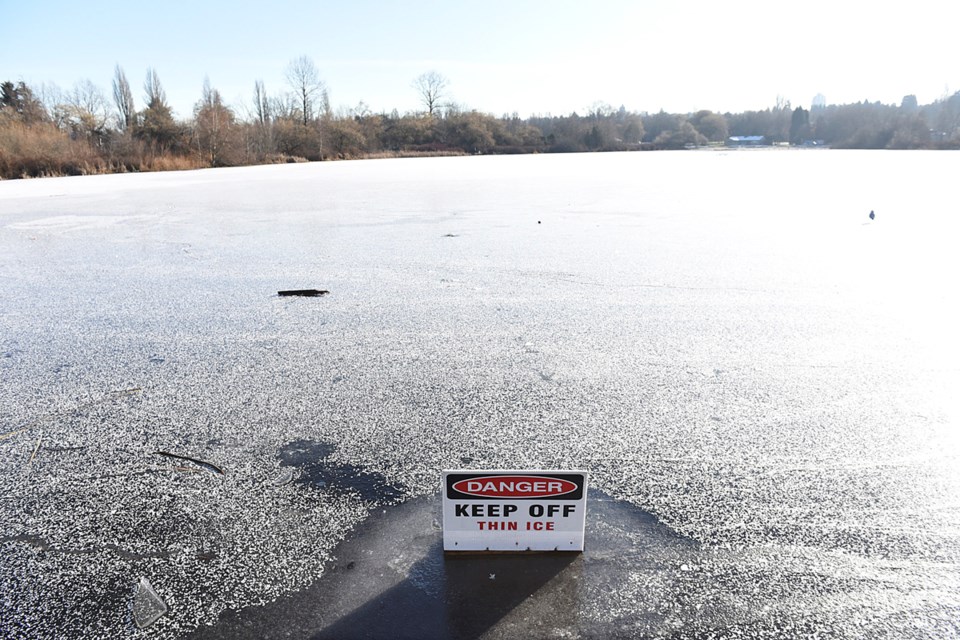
<point x="514" y="510"/>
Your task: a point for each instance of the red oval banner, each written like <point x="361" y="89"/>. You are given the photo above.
<point x="515" y="487"/>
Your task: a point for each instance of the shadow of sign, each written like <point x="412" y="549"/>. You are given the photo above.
<point x="467" y="597"/>
<point x="391" y="579"/>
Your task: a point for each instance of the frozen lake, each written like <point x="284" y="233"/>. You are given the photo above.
<point x="761" y="380"/>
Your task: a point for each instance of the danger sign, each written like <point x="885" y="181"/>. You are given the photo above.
<point x="514" y="510"/>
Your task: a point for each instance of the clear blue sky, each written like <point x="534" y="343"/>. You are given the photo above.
<point x="500" y="55"/>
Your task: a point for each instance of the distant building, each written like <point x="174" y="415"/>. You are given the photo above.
<point x="747" y="141"/>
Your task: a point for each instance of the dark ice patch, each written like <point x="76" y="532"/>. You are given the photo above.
<point x="311" y="458"/>
<point x="308" y="293"/>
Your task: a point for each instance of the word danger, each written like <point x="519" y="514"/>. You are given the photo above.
<point x="515" y="487"/>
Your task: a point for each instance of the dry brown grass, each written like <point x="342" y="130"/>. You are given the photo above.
<point x="282" y="158"/>
<point x="30" y="151"/>
<point x="170" y="163"/>
<point x="39" y="150"/>
<point x="380" y="155"/>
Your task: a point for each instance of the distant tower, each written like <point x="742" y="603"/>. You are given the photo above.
<point x="819" y="102"/>
<point x="909" y="104"/>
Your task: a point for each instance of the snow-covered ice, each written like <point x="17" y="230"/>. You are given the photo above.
<point x="725" y="340"/>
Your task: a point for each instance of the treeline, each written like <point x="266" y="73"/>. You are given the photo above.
<point x="82" y="131"/>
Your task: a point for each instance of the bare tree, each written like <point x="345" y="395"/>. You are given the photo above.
<point x="82" y="111"/>
<point x="123" y="99"/>
<point x="214" y="129"/>
<point x="261" y="104"/>
<point x="89" y="108"/>
<point x="260" y="136"/>
<point x="431" y="86"/>
<point x="284" y="107"/>
<point x="156" y="123"/>
<point x="153" y="90"/>
<point x="53" y="99"/>
<point x="311" y="94"/>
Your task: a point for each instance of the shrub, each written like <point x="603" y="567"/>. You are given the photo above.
<point x="35" y="150"/>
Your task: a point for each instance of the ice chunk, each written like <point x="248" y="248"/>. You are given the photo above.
<point x="282" y="477"/>
<point x="147" y="605"/>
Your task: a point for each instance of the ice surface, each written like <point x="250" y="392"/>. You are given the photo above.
<point x="724" y="340"/>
